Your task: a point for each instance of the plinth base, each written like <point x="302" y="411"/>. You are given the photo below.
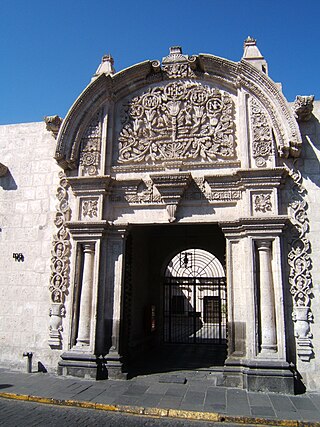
<point x="259" y="375"/>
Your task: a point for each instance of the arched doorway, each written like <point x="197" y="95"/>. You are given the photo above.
<point x="194" y="302"/>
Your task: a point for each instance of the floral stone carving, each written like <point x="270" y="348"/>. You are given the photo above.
<point x="262" y="203"/>
<point x="300" y="278"/>
<point x="91" y="146"/>
<point x="59" y="263"/>
<point x="183" y="120"/>
<point x="89" y="208"/>
<point x="261" y="134"/>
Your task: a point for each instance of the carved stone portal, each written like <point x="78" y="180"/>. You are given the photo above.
<point x="183" y="120"/>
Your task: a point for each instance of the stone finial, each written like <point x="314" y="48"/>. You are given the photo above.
<point x="303" y="106"/>
<point x="253" y="55"/>
<point x="106" y="66"/>
<point x="3" y="169"/>
<point x="53" y="124"/>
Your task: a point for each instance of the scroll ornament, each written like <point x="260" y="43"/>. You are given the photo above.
<point x="91" y="147"/>
<point x="300" y="278"/>
<point x="59" y="263"/>
<point x="183" y="120"/>
<point x="261" y="134"/>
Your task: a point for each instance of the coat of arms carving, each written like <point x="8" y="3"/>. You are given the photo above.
<point x="182" y="120"/>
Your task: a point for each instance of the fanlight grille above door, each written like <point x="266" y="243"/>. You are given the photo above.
<point x="194" y="263"/>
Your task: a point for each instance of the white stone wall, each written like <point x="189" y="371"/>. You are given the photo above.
<point x="27" y="207"/>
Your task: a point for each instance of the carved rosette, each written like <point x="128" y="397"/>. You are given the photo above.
<point x="91" y="147"/>
<point x="300" y="278"/>
<point x="261" y="134"/>
<point x="59" y="279"/>
<point x="183" y="120"/>
<point x="89" y="209"/>
<point x="262" y="203"/>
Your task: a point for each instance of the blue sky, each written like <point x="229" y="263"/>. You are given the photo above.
<point x="50" y="50"/>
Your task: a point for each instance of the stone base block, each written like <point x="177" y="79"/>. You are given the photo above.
<point x="115" y="366"/>
<point x="259" y="375"/>
<point x="78" y="364"/>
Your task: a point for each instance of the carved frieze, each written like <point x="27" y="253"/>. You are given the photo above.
<point x="300" y="278"/>
<point x="59" y="279"/>
<point x="91" y="147"/>
<point x="261" y="134"/>
<point x="182" y="120"/>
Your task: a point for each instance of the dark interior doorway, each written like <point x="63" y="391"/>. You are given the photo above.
<point x="145" y="343"/>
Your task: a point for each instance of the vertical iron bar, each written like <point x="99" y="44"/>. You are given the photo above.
<point x="220" y="314"/>
<point x="194" y="312"/>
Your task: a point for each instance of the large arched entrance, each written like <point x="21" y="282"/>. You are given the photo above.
<point x="195" y="304"/>
<point x="175" y="307"/>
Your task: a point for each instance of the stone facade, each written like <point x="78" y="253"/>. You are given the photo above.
<point x="160" y="159"/>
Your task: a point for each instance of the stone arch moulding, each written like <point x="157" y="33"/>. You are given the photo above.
<point x="107" y="89"/>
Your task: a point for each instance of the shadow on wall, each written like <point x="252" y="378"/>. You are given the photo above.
<point x="310" y="132"/>
<point x="7" y="182"/>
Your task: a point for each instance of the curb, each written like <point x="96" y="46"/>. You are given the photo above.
<point x="158" y="412"/>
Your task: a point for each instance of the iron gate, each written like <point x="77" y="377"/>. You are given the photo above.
<point x="195" y="310"/>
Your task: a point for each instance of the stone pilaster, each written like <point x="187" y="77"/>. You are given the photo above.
<point x="115" y="282"/>
<point x="83" y="338"/>
<point x="267" y="312"/>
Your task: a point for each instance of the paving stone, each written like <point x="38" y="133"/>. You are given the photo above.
<point x="176" y="391"/>
<point x="301" y="402"/>
<point x="282" y="403"/>
<point x="136" y="390"/>
<point x="262" y="410"/>
<point x="194" y="397"/>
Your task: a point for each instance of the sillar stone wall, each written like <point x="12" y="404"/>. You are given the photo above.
<point x="27" y="208"/>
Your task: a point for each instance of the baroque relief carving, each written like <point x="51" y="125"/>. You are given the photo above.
<point x="178" y="66"/>
<point x="300" y="278"/>
<point x="261" y="134"/>
<point x="59" y="263"/>
<point x="183" y="120"/>
<point x="91" y="147"/>
<point x="89" y="208"/>
<point x="262" y="203"/>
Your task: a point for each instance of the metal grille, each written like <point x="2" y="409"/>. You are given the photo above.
<point x="195" y="310"/>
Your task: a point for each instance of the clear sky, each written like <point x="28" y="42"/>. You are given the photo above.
<point x="50" y="49"/>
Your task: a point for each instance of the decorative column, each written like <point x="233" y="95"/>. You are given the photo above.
<point x="267" y="311"/>
<point x="83" y="338"/>
<point x="115" y="278"/>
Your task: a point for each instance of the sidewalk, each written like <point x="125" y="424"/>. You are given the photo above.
<point x="166" y="395"/>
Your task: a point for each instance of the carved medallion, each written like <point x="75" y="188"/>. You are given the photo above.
<point x="182" y="120"/>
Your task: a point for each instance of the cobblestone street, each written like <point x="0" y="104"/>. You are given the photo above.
<point x="29" y="414"/>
